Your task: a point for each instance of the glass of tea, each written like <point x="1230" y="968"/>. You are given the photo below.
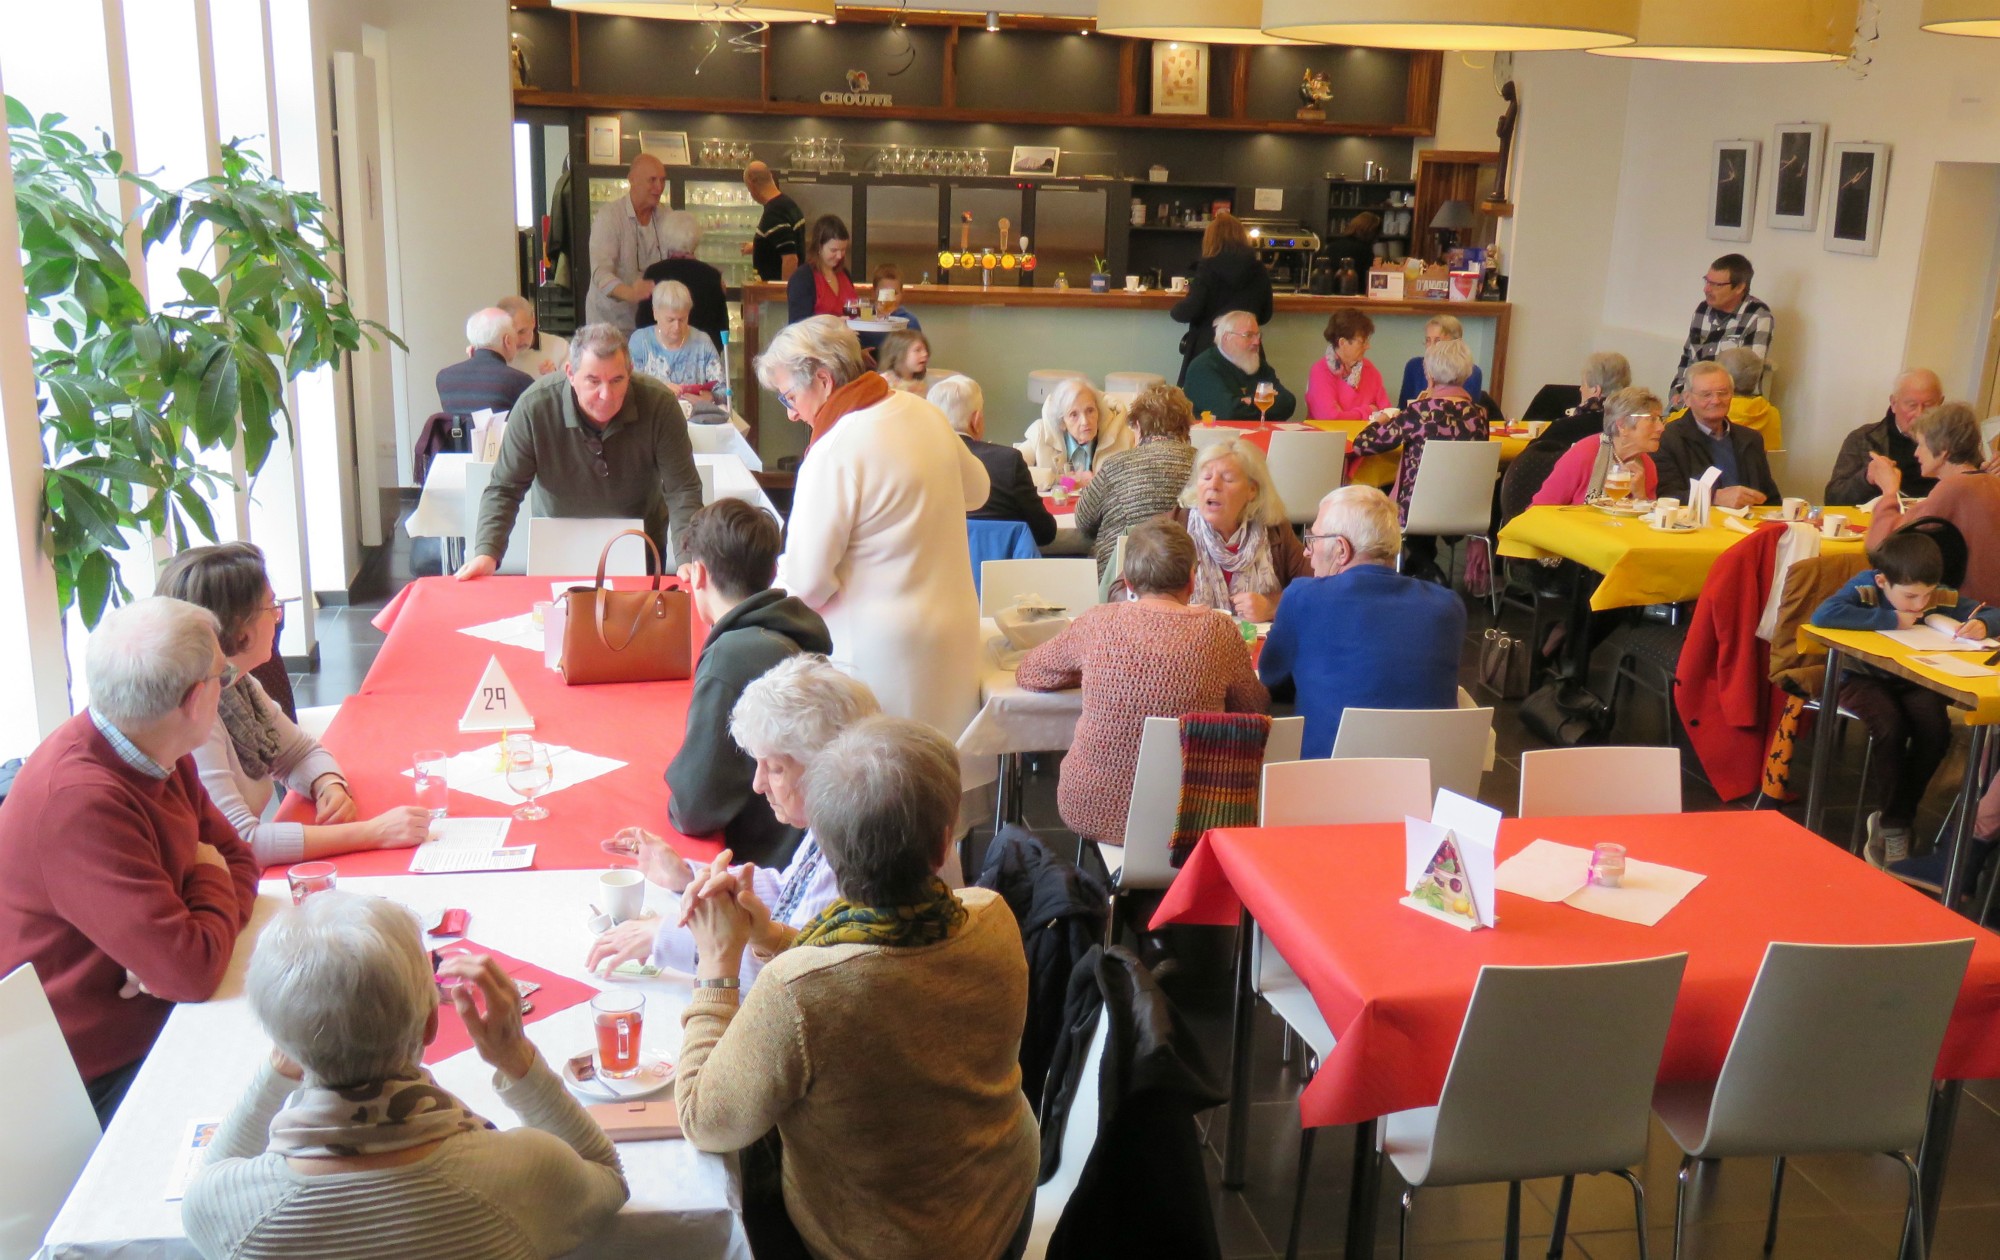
<point x="620" y="1016"/>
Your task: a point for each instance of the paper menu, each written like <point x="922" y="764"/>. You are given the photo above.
<point x="1456" y="845"/>
<point x="470" y="844"/>
<point x="190" y="1154"/>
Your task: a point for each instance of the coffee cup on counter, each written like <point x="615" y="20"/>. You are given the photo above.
<point x="1178" y="284"/>
<point x="1131" y="284"/>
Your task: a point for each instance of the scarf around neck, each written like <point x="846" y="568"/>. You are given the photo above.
<point x="371" y="1118"/>
<point x="1244" y="556"/>
<point x="863" y="391"/>
<point x="924" y="922"/>
<point x="250" y="727"/>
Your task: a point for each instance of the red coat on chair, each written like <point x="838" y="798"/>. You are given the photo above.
<point x="1722" y="684"/>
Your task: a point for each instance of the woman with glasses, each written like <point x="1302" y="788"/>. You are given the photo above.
<point x="253" y="746"/>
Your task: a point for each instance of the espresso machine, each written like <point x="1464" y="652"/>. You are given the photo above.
<point x="1287" y="248"/>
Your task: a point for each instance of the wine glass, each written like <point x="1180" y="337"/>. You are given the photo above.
<point x="1266" y="394"/>
<point x="528" y="772"/>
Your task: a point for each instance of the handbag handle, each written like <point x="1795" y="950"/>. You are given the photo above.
<point x="602" y="597"/>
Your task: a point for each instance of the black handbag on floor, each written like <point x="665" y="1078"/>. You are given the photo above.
<point x="1566" y="714"/>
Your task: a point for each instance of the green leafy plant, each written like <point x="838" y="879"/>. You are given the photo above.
<point x="132" y="395"/>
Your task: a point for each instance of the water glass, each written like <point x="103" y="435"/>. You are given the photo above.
<point x="1607" y="865"/>
<point x="528" y="772"/>
<point x="307" y="878"/>
<point x="433" y="793"/>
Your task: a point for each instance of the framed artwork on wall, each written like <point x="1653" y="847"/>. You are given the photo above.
<point x="1860" y="187"/>
<point x="1798" y="151"/>
<point x="1732" y="191"/>
<point x="671" y="147"/>
<point x="605" y="140"/>
<point x="1035" y="159"/>
<point x="1180" y="77"/>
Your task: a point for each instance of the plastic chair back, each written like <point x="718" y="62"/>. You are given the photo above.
<point x="50" y="1110"/>
<point x="1201" y="435"/>
<point x="1836" y="1049"/>
<point x="1069" y="582"/>
<point x="562" y="546"/>
<point x="1453" y="493"/>
<point x="1511" y="1110"/>
<point x="1079" y="1138"/>
<point x="1453" y="741"/>
<point x="1575" y="782"/>
<point x="1305" y="468"/>
<point x="1335" y="791"/>
<point x="515" y="560"/>
<point x="1156" y="796"/>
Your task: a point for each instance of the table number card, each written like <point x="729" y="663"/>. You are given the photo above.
<point x="1448" y="861"/>
<point x="495" y="705"/>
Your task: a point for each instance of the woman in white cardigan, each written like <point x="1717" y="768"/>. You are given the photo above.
<point x="876" y="543"/>
<point x="1078" y="430"/>
<point x="253" y="746"/>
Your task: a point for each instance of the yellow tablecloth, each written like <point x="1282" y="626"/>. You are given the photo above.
<point x="1380" y="470"/>
<point x="1976" y="701"/>
<point x="1641" y="565"/>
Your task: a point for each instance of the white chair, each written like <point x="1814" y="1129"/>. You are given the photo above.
<point x="1511" y="1111"/>
<point x="706" y="472"/>
<point x="567" y="546"/>
<point x="1453" y="493"/>
<point x="50" y="1113"/>
<point x="1465" y="701"/>
<point x="1079" y="1138"/>
<point x="1042" y="382"/>
<point x="1575" y="782"/>
<point x="1452" y="740"/>
<point x="1204" y="435"/>
<point x="1305" y="467"/>
<point x="477" y="477"/>
<point x="1131" y="382"/>
<point x="1835" y="1052"/>
<point x="314" y="720"/>
<point x="1069" y="582"/>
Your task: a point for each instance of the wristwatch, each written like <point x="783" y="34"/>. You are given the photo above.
<point x="719" y="982"/>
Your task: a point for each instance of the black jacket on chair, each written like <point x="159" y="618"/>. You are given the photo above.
<point x="1233" y="279"/>
<point x="1013" y="496"/>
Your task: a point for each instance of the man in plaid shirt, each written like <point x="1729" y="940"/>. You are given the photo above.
<point x="1728" y="316"/>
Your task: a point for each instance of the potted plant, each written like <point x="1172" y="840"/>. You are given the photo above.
<point x="1100" y="275"/>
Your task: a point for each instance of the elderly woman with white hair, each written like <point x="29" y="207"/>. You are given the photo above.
<point x="876" y="543"/>
<point x="1076" y="433"/>
<point x="680" y="237"/>
<point x="674" y="352"/>
<point x="345" y="1145"/>
<point x="782" y="721"/>
<point x="1632" y="429"/>
<point x="883" y="1042"/>
<point x="1416" y="378"/>
<point x="1247" y="551"/>
<point x="1446" y="412"/>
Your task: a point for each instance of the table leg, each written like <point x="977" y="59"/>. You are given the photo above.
<point x="1934" y="1155"/>
<point x="1829" y="710"/>
<point x="1006" y="777"/>
<point x="1578" y="633"/>
<point x="1236" y="1139"/>
<point x="1363" y="1189"/>
<point x="1968" y="808"/>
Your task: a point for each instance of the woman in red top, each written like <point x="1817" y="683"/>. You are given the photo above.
<point x="822" y="286"/>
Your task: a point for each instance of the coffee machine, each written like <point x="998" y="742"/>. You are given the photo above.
<point x="1287" y="248"/>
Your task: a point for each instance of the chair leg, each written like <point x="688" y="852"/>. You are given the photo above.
<point x="1286" y="1041"/>
<point x="1777" y="1193"/>
<point x="1639" y="1212"/>
<point x="1913" y="1224"/>
<point x="1680" y="1203"/>
<point x="1854" y="831"/>
<point x="1403" y="1225"/>
<point x="1299" y="1193"/>
<point x="1512" y="1249"/>
<point x="1561" y="1229"/>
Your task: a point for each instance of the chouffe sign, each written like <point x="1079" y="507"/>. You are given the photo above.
<point x="857" y="92"/>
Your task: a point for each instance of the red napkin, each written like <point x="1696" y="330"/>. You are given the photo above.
<point x="558" y="993"/>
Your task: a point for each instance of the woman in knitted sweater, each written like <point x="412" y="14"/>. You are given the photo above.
<point x="1155" y="656"/>
<point x="1143" y="482"/>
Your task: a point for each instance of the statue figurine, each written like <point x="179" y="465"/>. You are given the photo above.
<point x="1509" y="118"/>
<point x="518" y="58"/>
<point x="1315" y="91"/>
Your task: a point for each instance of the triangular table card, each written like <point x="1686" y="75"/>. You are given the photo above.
<point x="1444" y="890"/>
<point x="495" y="704"/>
<point x="1448" y="861"/>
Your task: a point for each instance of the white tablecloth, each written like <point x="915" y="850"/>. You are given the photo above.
<point x="440" y="510"/>
<point x="683" y="1203"/>
<point x="1012" y="719"/>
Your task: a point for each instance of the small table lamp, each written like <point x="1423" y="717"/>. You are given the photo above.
<point x="1451" y="218"/>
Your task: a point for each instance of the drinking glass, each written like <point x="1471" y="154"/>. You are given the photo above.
<point x="620" y="1016"/>
<point x="528" y="772"/>
<point x="1617" y="484"/>
<point x="1266" y="394"/>
<point x="433" y="793"/>
<point x="307" y="878"/>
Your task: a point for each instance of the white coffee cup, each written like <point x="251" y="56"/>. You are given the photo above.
<point x="1179" y="284"/>
<point x="622" y="893"/>
<point x="1830" y="526"/>
<point x="1793" y="509"/>
<point x="1131" y="284"/>
<point x="1666" y="511"/>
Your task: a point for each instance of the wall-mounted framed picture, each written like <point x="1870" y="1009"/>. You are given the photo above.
<point x="1860" y="187"/>
<point x="604" y="140"/>
<point x="1034" y="159"/>
<point x="1180" y="77"/>
<point x="1798" y="151"/>
<point x="671" y="147"/>
<point x="1732" y="190"/>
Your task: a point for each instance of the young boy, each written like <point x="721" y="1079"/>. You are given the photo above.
<point x="1908" y="722"/>
<point x="730" y="556"/>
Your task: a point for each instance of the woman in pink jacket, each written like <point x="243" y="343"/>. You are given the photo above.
<point x="1632" y="428"/>
<point x="1343" y="384"/>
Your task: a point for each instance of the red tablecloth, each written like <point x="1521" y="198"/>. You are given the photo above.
<point x="418" y="687"/>
<point x="1394" y="984"/>
<point x="558" y="993"/>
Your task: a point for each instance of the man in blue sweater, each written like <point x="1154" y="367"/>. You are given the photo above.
<point x="1358" y="633"/>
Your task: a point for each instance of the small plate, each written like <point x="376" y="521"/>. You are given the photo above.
<point x="1629" y="507"/>
<point x="895" y="323"/>
<point x="655" y="1074"/>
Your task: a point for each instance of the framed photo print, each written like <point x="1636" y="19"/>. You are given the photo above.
<point x="1732" y="194"/>
<point x="1860" y="186"/>
<point x="1180" y="77"/>
<point x="605" y="141"/>
<point x="1798" y="151"/>
<point x="1034" y="159"/>
<point x="671" y="147"/>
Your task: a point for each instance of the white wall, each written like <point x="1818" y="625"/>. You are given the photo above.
<point x="1468" y="106"/>
<point x="1620" y="269"/>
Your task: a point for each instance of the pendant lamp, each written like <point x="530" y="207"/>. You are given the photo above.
<point x="707" y="10"/>
<point x="1742" y="31"/>
<point x="1963" y="17"/>
<point x="1198" y="21"/>
<point x="1457" y="25"/>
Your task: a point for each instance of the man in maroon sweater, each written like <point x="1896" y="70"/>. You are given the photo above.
<point x="119" y="880"/>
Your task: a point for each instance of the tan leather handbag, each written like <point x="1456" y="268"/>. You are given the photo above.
<point x="626" y="636"/>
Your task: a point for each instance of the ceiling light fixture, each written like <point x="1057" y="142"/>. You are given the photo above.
<point x="707" y="10"/>
<point x="1456" y="25"/>
<point x="1201" y="21"/>
<point x="1775" y="32"/>
<point x="1962" y="17"/>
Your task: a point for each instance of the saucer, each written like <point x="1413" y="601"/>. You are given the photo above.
<point x="1672" y="529"/>
<point x="654" y="1075"/>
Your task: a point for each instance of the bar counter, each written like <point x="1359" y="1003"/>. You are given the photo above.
<point x="998" y="335"/>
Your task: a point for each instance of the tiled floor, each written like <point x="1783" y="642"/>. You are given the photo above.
<point x="1835" y="1207"/>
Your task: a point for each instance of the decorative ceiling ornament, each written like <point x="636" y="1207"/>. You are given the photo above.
<point x="1742" y="31"/>
<point x="707" y="10"/>
<point x="1962" y="17"/>
<point x="1456" y="25"/>
<point x="1197" y="21"/>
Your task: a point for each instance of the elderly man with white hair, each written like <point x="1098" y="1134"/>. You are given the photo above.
<point x="626" y="237"/>
<point x="1012" y="496"/>
<point x="1914" y="392"/>
<point x="1703" y="437"/>
<point x="1223" y="379"/>
<point x="483" y="379"/>
<point x="536" y="352"/>
<point x="125" y="886"/>
<point x="1358" y="634"/>
<point x="345" y="1145"/>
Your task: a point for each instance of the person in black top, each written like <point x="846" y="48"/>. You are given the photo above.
<point x="1604" y="374"/>
<point x="482" y="381"/>
<point x="1356" y="244"/>
<point x="1230" y="277"/>
<point x="1013" y="496"/>
<point x="780" y="244"/>
<point x="680" y="232"/>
